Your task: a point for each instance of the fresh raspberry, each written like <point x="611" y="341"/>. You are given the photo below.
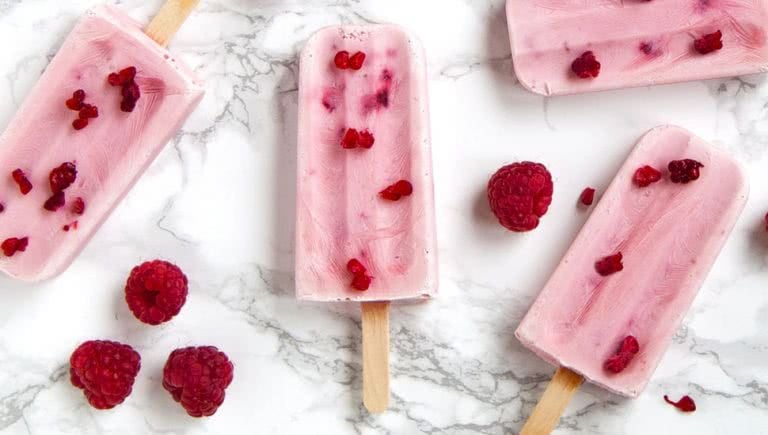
<point x="610" y="265"/>
<point x="362" y="282"/>
<point x="13" y="245"/>
<point x="156" y="291"/>
<point x="341" y="60"/>
<point x="354" y="266"/>
<point x="78" y="206"/>
<point x="356" y="61"/>
<point x="628" y="348"/>
<point x="586" y="66"/>
<point x="88" y="111"/>
<point x="587" y="196"/>
<point x="520" y="194"/>
<point x="21" y="179"/>
<point x="196" y="377"/>
<point x="685" y="404"/>
<point x="105" y="371"/>
<point x="684" y="171"/>
<point x="366" y="139"/>
<point x="396" y="191"/>
<point x="76" y="102"/>
<point x="646" y="175"/>
<point x="55" y="202"/>
<point x="709" y="43"/>
<point x="62" y="177"/>
<point x="350" y="139"/>
<point x="79" y="123"/>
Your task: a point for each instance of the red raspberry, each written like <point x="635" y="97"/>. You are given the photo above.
<point x="21" y="179"/>
<point x="685" y="404"/>
<point x="366" y="139"/>
<point x="356" y="61"/>
<point x="628" y="348"/>
<point x="79" y="123"/>
<point x="361" y="281"/>
<point x="55" y="202"/>
<point x="341" y="60"/>
<point x="610" y="265"/>
<point x="350" y="139"/>
<point x="156" y="291"/>
<point x="62" y="177"/>
<point x="646" y="175"/>
<point x="586" y="66"/>
<point x="355" y="267"/>
<point x="78" y="206"/>
<point x="13" y="245"/>
<point x="587" y="196"/>
<point x="520" y="194"/>
<point x="105" y="370"/>
<point x="709" y="43"/>
<point x="196" y="377"/>
<point x="396" y="191"/>
<point x="684" y="171"/>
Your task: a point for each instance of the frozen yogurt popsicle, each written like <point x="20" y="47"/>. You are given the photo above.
<point x="669" y="227"/>
<point x="635" y="43"/>
<point x="365" y="226"/>
<point x="86" y="133"/>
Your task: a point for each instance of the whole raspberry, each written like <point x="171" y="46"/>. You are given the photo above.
<point x="586" y="66"/>
<point x="520" y="194"/>
<point x="156" y="291"/>
<point x="196" y="377"/>
<point x="684" y="171"/>
<point x="105" y="371"/>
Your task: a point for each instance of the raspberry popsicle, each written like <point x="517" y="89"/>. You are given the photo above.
<point x="104" y="108"/>
<point x="365" y="226"/>
<point x="610" y="309"/>
<point x="566" y="47"/>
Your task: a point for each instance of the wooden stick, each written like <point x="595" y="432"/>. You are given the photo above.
<point x="375" y="356"/>
<point x="547" y="413"/>
<point x="168" y="21"/>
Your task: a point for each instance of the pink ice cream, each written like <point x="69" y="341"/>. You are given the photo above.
<point x="340" y="214"/>
<point x="637" y="42"/>
<point x="110" y="153"/>
<point x="669" y="234"/>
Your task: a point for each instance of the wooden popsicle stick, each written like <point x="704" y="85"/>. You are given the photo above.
<point x="558" y="394"/>
<point x="168" y="21"/>
<point x="375" y="356"/>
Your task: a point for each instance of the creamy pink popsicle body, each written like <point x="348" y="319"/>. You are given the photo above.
<point x="636" y="42"/>
<point x="669" y="234"/>
<point x="110" y="153"/>
<point x="340" y="212"/>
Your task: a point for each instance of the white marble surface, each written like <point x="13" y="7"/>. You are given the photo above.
<point x="219" y="202"/>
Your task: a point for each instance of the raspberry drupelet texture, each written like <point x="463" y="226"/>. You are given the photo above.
<point x="520" y="194"/>
<point x="684" y="171"/>
<point x="105" y="371"/>
<point x="156" y="291"/>
<point x="645" y="176"/>
<point x="628" y="348"/>
<point x="586" y="66"/>
<point x="197" y="378"/>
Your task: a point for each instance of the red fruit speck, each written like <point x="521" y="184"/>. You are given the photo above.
<point x="520" y="194"/>
<point x="587" y="196"/>
<point x="62" y="176"/>
<point x="628" y="348"/>
<point x="350" y="139"/>
<point x="13" y="245"/>
<point x="114" y="79"/>
<point x="610" y="265"/>
<point x="341" y="60"/>
<point x="685" y="404"/>
<point x="21" y="179"/>
<point x="127" y="105"/>
<point x="197" y="378"/>
<point x="105" y="371"/>
<point x="79" y="123"/>
<point x="2" y="208"/>
<point x="131" y="91"/>
<point x="361" y="282"/>
<point x="357" y="60"/>
<point x="709" y="43"/>
<point x="646" y="175"/>
<point x="89" y="111"/>
<point x="366" y="139"/>
<point x="586" y="66"/>
<point x="684" y="171"/>
<point x="156" y="291"/>
<point x="127" y="75"/>
<point x="55" y="202"/>
<point x="355" y="267"/>
<point x="74" y="104"/>
<point x="396" y="191"/>
<point x="78" y="206"/>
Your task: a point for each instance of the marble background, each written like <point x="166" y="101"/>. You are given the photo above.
<point x="219" y="201"/>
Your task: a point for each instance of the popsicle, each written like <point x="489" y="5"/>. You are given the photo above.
<point x="365" y="225"/>
<point x="108" y="102"/>
<point x="610" y="309"/>
<point x="573" y="46"/>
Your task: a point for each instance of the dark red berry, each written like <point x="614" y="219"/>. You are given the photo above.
<point x="586" y="66"/>
<point x="685" y="404"/>
<point x="354" y="266"/>
<point x="366" y="139"/>
<point x="114" y="79"/>
<point x="709" y="43"/>
<point x="350" y="139"/>
<point x="13" y="245"/>
<point x="89" y="111"/>
<point x="79" y="95"/>
<point x="127" y="75"/>
<point x="131" y="91"/>
<point x="361" y="282"/>
<point x="646" y="176"/>
<point x="520" y="194"/>
<point x="80" y="123"/>
<point x="628" y="348"/>
<point x="55" y="202"/>
<point x="127" y="105"/>
<point x="62" y="177"/>
<point x="76" y="102"/>
<point x="587" y="196"/>
<point x="341" y="60"/>
<point x="156" y="291"/>
<point x="357" y="60"/>
<point x="684" y="171"/>
<point x="197" y="378"/>
<point x="78" y="206"/>
<point x="404" y="187"/>
<point x="390" y="194"/>
<point x="610" y="265"/>
<point x="21" y="179"/>
<point x="105" y="371"/>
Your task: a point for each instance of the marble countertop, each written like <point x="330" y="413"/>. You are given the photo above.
<point x="219" y="201"/>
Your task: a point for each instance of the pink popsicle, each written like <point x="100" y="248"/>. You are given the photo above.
<point x="340" y="214"/>
<point x="669" y="234"/>
<point x="110" y="153"/>
<point x="637" y="42"/>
